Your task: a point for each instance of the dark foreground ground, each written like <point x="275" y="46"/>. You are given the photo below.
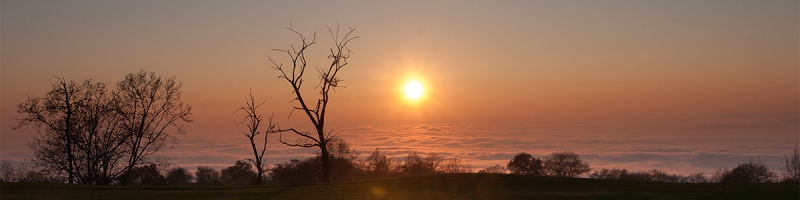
<point x="449" y="186"/>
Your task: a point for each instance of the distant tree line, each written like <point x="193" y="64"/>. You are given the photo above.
<point x="348" y="167"/>
<point x="568" y="164"/>
<point x="559" y="164"/>
<point x="345" y="166"/>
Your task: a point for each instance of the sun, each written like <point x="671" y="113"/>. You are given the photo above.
<point x="414" y="90"/>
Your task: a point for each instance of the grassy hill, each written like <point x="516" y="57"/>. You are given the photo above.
<point x="447" y="186"/>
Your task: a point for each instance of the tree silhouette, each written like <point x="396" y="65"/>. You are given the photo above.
<point x="791" y="166"/>
<point x="496" y="169"/>
<point x="328" y="81"/>
<point x="145" y="174"/>
<point x="379" y="165"/>
<point x="751" y="171"/>
<point x="148" y="106"/>
<point x="342" y="160"/>
<point x="178" y="175"/>
<point x="253" y="121"/>
<point x="239" y="172"/>
<point x="79" y="131"/>
<point x="206" y="174"/>
<point x="525" y="164"/>
<point x="565" y="164"/>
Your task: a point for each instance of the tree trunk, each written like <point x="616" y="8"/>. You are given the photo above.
<point x="260" y="174"/>
<point x="326" y="164"/>
<point x="68" y="133"/>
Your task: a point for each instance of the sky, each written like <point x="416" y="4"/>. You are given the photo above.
<point x="680" y="86"/>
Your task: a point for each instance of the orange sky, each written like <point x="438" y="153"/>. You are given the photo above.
<point x="606" y="65"/>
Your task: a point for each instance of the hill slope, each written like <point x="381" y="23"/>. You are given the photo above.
<point x="447" y="186"/>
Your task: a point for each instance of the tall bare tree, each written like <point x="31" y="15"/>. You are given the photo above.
<point x="328" y="81"/>
<point x="253" y="121"/>
<point x="148" y="106"/>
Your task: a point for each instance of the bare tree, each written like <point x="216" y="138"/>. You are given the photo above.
<point x="253" y="120"/>
<point x="791" y="166"/>
<point x="565" y="164"/>
<point x="54" y="117"/>
<point x="78" y="131"/>
<point x="148" y="106"/>
<point x="328" y="81"/>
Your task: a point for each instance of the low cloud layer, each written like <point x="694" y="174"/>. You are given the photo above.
<point x="675" y="150"/>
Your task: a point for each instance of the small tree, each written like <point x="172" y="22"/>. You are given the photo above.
<point x="178" y="175"/>
<point x="416" y="164"/>
<point x="239" y="172"/>
<point x="751" y="171"/>
<point x="791" y="166"/>
<point x="206" y="174"/>
<point x="145" y="174"/>
<point x="565" y="164"/>
<point x="253" y="121"/>
<point x="379" y="165"/>
<point x="525" y="164"/>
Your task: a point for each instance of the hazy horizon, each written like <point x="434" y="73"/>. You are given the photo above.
<point x="679" y="86"/>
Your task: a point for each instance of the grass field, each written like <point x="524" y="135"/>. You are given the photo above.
<point x="447" y="186"/>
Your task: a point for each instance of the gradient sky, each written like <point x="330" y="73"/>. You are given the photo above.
<point x="681" y="86"/>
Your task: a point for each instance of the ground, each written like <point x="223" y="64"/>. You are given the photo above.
<point x="447" y="186"/>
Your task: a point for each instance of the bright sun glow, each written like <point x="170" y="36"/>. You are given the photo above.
<point x="413" y="90"/>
